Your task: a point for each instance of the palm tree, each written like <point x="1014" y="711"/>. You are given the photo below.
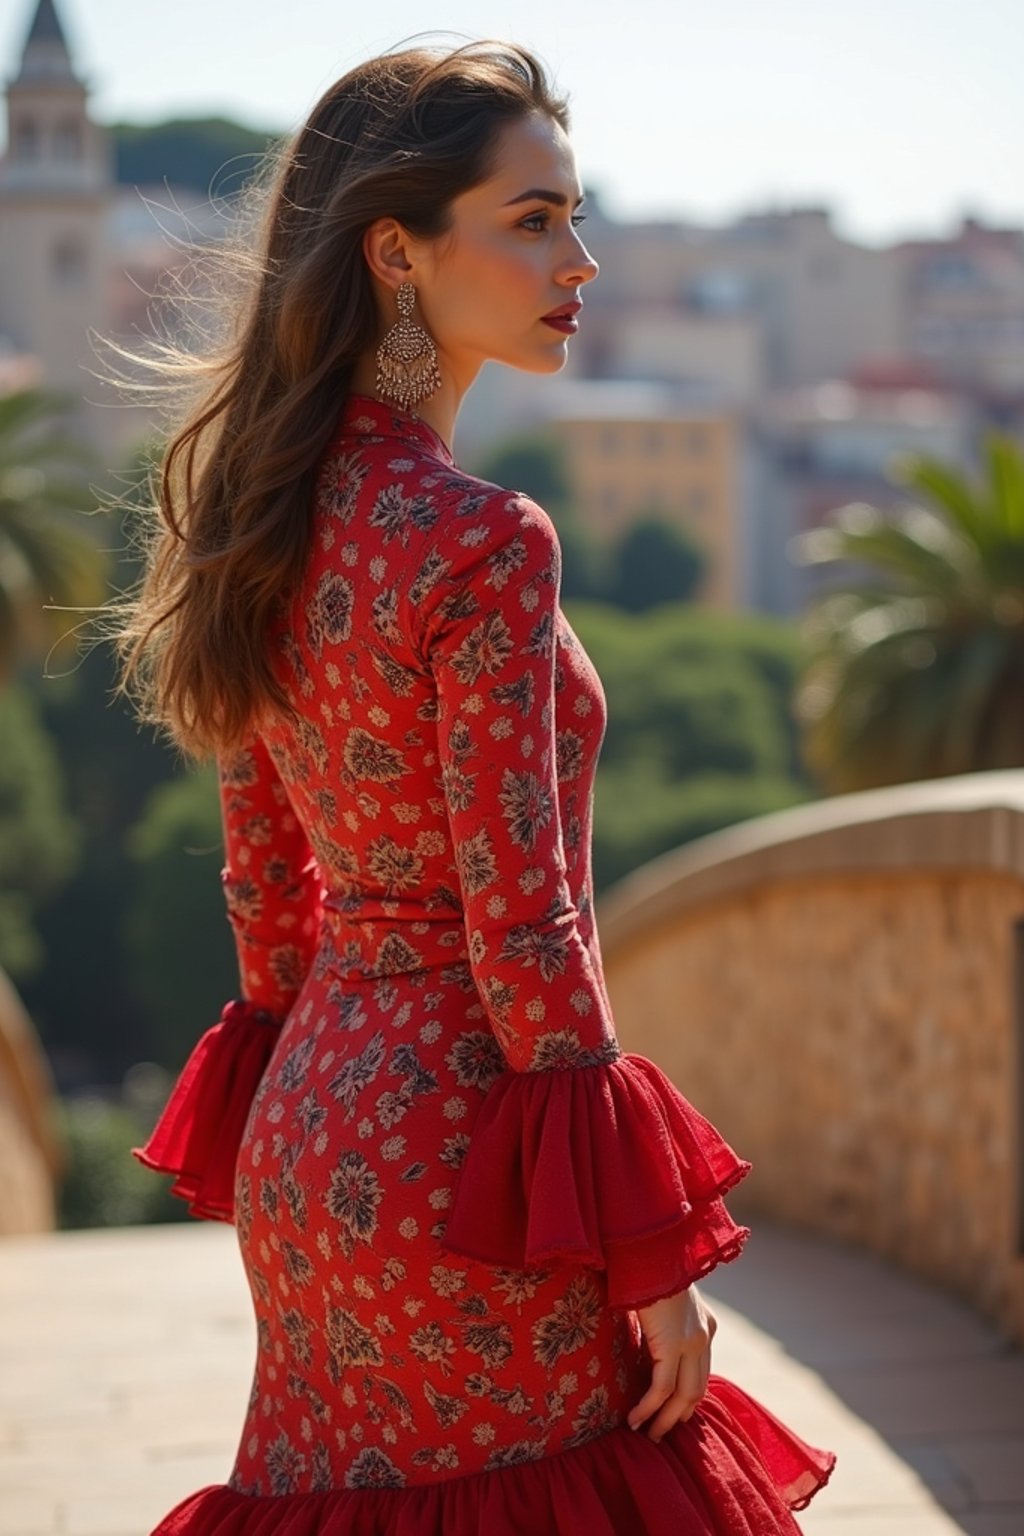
<point x="49" y="560"/>
<point x="916" y="665"/>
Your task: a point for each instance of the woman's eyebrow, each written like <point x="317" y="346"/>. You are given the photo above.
<point x="544" y="196"/>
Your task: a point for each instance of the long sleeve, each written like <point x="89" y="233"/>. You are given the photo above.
<point x="579" y="1152"/>
<point x="273" y="893"/>
<point x="491" y="641"/>
<point x="272" y="884"/>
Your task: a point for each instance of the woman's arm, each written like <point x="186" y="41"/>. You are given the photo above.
<point x="489" y="635"/>
<point x="578" y="1152"/>
<point x="273" y="892"/>
<point x="272" y="884"/>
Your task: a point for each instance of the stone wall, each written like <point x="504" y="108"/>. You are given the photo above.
<point x="30" y="1155"/>
<point x="834" y="986"/>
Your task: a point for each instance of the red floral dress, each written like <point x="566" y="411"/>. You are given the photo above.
<point x="450" y="1185"/>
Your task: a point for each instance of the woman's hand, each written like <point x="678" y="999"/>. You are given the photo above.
<point x="678" y="1331"/>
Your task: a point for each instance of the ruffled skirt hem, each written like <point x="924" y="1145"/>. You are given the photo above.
<point x="731" y="1469"/>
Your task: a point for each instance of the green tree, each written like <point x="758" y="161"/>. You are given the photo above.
<point x="916" y="652"/>
<point x="85" y="1007"/>
<point x="39" y="841"/>
<point x="640" y="814"/>
<point x="654" y="562"/>
<point x="534" y="463"/>
<point x="700" y="730"/>
<point x="104" y="1186"/>
<point x="177" y="911"/>
<point x="211" y="154"/>
<point x="50" y="557"/>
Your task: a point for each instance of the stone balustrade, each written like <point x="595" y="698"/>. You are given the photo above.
<point x="838" y="987"/>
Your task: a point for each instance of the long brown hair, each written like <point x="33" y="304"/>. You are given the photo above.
<point x="226" y="531"/>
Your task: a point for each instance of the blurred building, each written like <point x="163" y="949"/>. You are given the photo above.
<point x="820" y="360"/>
<point x="821" y="447"/>
<point x="81" y="260"/>
<point x="963" y="307"/>
<point x="635" y="450"/>
<point x="800" y="359"/>
<point x="56" y="186"/>
<point x="774" y="299"/>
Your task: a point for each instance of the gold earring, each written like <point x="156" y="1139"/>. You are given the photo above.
<point x="407" y="370"/>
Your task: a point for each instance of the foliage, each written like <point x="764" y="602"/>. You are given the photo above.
<point x="177" y="910"/>
<point x="639" y="814"/>
<point x="534" y="463"/>
<point x="916" y="655"/>
<point x="50" y="558"/>
<point x="211" y="154"/>
<point x="104" y="1186"/>
<point x="654" y="562"/>
<point x="700" y="733"/>
<point x="85" y="1008"/>
<point x="39" y="841"/>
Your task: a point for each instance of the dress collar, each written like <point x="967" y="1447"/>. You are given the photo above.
<point x="366" y="416"/>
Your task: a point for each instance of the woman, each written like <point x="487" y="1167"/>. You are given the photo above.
<point x="471" y="1225"/>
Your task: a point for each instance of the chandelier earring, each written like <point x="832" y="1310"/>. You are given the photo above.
<point x="407" y="370"/>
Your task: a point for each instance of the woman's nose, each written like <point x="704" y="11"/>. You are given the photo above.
<point x="585" y="268"/>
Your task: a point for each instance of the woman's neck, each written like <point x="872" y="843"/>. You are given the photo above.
<point x="439" y="411"/>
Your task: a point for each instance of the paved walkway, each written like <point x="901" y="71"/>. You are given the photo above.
<point x="125" y="1359"/>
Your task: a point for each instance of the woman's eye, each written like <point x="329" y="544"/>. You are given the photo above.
<point x="529" y="223"/>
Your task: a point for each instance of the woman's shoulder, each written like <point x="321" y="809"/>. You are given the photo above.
<point x="479" y="522"/>
<point x="397" y="482"/>
<point x="467" y="501"/>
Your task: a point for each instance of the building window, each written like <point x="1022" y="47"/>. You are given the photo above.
<point x="609" y="440"/>
<point x="696" y="440"/>
<point x="69" y="263"/>
<point x="26" y="140"/>
<point x="67" y="140"/>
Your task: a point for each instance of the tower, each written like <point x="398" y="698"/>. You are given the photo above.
<point x="56" y="185"/>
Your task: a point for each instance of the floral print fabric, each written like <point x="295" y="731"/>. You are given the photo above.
<point x="408" y="879"/>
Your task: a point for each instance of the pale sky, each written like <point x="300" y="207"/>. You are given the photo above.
<point x="901" y="115"/>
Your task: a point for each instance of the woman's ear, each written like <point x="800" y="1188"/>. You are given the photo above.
<point x="385" y="250"/>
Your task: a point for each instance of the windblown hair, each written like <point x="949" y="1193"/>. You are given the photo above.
<point x="226" y="525"/>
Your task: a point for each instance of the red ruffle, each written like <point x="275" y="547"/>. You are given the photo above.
<point x="200" y="1129"/>
<point x="606" y="1166"/>
<point x="731" y="1469"/>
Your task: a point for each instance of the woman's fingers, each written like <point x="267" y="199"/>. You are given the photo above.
<point x="663" y="1383"/>
<point x="691" y="1382"/>
<point x="678" y="1331"/>
<point x="677" y="1386"/>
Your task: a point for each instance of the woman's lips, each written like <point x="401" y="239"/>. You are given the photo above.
<point x="565" y="323"/>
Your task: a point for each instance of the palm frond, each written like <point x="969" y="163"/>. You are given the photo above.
<point x="1005" y="465"/>
<point x="50" y="552"/>
<point x="951" y="489"/>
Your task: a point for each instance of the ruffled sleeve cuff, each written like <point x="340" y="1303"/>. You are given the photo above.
<point x="605" y="1166"/>
<point x="199" y="1131"/>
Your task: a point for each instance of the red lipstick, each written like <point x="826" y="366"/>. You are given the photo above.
<point x="564" y="318"/>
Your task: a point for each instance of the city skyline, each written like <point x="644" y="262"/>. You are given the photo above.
<point x="897" y="123"/>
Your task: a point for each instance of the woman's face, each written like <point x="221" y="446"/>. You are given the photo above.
<point x="514" y="255"/>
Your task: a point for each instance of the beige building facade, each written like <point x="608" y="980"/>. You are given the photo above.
<point x="681" y="465"/>
<point x="774" y="299"/>
<point x="56" y="187"/>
